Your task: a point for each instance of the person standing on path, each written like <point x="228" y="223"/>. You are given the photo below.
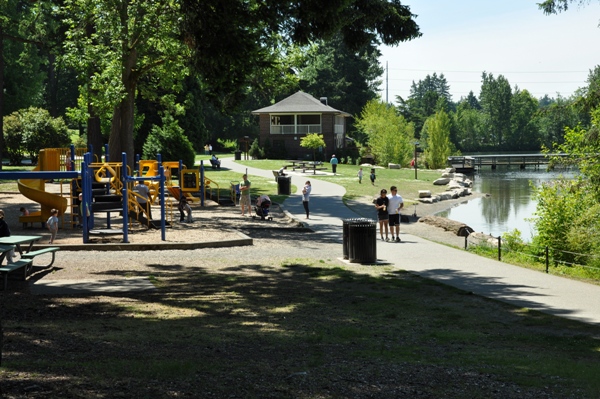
<point x="245" y="195"/>
<point x="381" y="204"/>
<point x="334" y="163"/>
<point x="395" y="203"/>
<point x="360" y="175"/>
<point x="52" y="224"/>
<point x="306" y="196"/>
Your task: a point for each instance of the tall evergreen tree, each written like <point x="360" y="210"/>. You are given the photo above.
<point x="349" y="79"/>
<point x="495" y="99"/>
<point x="524" y="134"/>
<point x="424" y="98"/>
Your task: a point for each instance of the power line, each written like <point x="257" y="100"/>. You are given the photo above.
<point x="457" y="71"/>
<point x="479" y="81"/>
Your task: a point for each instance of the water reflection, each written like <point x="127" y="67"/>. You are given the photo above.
<point x="509" y="204"/>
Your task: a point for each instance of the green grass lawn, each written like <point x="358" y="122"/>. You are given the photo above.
<point x="404" y="179"/>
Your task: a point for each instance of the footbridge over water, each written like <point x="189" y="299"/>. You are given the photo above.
<point x="469" y="163"/>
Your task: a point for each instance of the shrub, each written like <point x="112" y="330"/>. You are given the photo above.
<point x="33" y="129"/>
<point x="13" y="138"/>
<point x="169" y="141"/>
<point x="228" y="145"/>
<point x="255" y="151"/>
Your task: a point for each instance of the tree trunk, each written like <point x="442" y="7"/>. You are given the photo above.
<point x="94" y="133"/>
<point x="121" y="134"/>
<point x="52" y="87"/>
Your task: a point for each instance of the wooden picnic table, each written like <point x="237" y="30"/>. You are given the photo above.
<point x="309" y="165"/>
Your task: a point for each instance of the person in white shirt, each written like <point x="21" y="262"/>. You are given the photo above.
<point x="395" y="204"/>
<point x="306" y="197"/>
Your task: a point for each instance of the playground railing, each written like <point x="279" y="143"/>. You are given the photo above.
<point x="209" y="187"/>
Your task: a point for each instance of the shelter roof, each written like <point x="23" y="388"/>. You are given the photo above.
<point x="300" y="102"/>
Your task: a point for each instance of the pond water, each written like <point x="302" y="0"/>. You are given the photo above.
<point x="510" y="203"/>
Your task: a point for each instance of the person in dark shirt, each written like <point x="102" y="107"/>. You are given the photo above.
<point x="381" y="205"/>
<point x="5" y="232"/>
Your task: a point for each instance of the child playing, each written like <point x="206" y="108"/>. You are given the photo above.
<point x="185" y="208"/>
<point x="373" y="177"/>
<point x="24" y="212"/>
<point x="52" y="224"/>
<point x="360" y="175"/>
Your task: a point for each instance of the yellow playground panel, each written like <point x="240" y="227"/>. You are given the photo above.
<point x="187" y="182"/>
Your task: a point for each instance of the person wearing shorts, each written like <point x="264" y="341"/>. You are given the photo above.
<point x="381" y="205"/>
<point x="245" y="195"/>
<point x="395" y="204"/>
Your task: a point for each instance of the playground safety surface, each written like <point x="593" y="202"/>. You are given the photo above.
<point x="212" y="224"/>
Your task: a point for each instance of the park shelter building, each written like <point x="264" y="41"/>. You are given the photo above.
<point x="292" y="118"/>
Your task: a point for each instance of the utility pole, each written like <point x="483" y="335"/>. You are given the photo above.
<point x="386" y="82"/>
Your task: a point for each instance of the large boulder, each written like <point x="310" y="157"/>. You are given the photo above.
<point x="424" y="193"/>
<point x="441" y="181"/>
<point x="393" y="166"/>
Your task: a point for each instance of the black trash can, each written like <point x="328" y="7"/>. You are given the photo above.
<point x="284" y="185"/>
<point x="237" y="155"/>
<point x="345" y="233"/>
<point x="362" y="242"/>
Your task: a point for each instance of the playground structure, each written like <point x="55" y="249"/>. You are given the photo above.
<point x="103" y="185"/>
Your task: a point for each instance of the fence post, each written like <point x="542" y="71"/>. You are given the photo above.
<point x="547" y="260"/>
<point x="500" y="248"/>
<point x="466" y="237"/>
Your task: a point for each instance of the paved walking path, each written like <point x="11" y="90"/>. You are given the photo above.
<point x="486" y="277"/>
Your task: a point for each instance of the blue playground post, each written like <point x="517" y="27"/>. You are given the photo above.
<point x="202" y="188"/>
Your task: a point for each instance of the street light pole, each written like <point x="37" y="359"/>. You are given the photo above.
<point x="416" y="144"/>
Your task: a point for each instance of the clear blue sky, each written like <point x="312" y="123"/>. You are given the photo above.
<point x="461" y="39"/>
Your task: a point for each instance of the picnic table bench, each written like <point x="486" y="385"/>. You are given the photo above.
<point x="48" y="250"/>
<point x="23" y="245"/>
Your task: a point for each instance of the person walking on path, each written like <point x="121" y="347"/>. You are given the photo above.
<point x="245" y="195"/>
<point x="334" y="163"/>
<point x="306" y="196"/>
<point x="52" y="224"/>
<point x="381" y="204"/>
<point x="395" y="203"/>
<point x="360" y="175"/>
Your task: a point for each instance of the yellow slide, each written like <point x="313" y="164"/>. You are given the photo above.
<point x="34" y="189"/>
